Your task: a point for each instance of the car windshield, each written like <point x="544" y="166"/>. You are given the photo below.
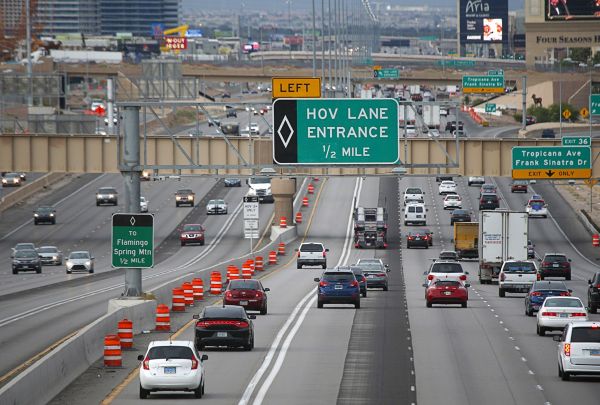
<point x="311" y="247"/>
<point x="448" y="183"/>
<point x="79" y="255"/>
<point x="555" y="258"/>
<point x="447" y="283"/>
<point x="452" y="197"/>
<point x="107" y="190"/>
<point x="47" y="250"/>
<point x="338" y="277"/>
<point x="535" y="203"/>
<point x="587" y="334"/>
<point x="413" y="191"/>
<point x="244" y="285"/>
<point x="142" y="199"/>
<point x="45" y="209"/>
<point x="550" y="286"/>
<point x="448" y="255"/>
<point x="519" y="267"/>
<point x="184" y="191"/>
<point x="460" y="212"/>
<point x="563" y="302"/>
<point x="371" y="267"/>
<point x="260" y="180"/>
<point x="225" y="312"/>
<point x="192" y="227"/>
<point x="170" y="352"/>
<point x="446" y="268"/>
<point x="10" y="175"/>
<point x="26" y="254"/>
<point x="25" y="246"/>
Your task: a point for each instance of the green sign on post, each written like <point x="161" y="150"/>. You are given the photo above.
<point x="483" y="84"/>
<point x="132" y="241"/>
<point x="551" y="162"/>
<point x="490" y="108"/>
<point x="386" y="73"/>
<point x="576" y="141"/>
<point x="595" y="104"/>
<point x="456" y="63"/>
<point x="497" y="72"/>
<point x="335" y="131"/>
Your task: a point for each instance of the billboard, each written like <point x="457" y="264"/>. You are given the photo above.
<point x="483" y="21"/>
<point x="572" y="9"/>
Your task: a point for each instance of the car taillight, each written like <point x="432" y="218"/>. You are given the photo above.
<point x="298" y="254"/>
<point x="194" y="363"/>
<point x="410" y="238"/>
<point x="565" y="293"/>
<point x="536" y="293"/>
<point x="548" y="313"/>
<point x="354" y="283"/>
<point x="567" y="349"/>
<point x="481" y="201"/>
<point x="228" y="294"/>
<point x="259" y="294"/>
<point x="323" y="284"/>
<point x="578" y="314"/>
<point x="538" y="276"/>
<point x="430" y="277"/>
<point x="463" y="277"/>
<point x="324" y="253"/>
<point x="598" y="286"/>
<point x="380" y="274"/>
<point x="239" y="324"/>
<point x="545" y="263"/>
<point x="502" y="277"/>
<point x="146" y="363"/>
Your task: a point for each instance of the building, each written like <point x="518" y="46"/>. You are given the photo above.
<point x="12" y="11"/>
<point x="56" y="17"/>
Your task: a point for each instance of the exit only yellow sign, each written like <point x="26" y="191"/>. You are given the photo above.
<point x="296" y="87"/>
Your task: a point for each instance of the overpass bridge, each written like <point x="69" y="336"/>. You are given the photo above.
<point x="243" y="156"/>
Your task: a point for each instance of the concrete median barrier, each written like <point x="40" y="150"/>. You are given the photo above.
<point x="29" y="189"/>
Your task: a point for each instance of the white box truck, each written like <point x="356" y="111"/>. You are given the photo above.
<point x="410" y="115"/>
<point x="431" y="116"/>
<point x="502" y="236"/>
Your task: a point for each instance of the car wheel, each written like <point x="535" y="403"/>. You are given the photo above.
<point x="182" y="243"/>
<point x="39" y="271"/>
<point x="427" y="246"/>
<point x="464" y="304"/>
<point x="54" y="222"/>
<point x="405" y="223"/>
<point x="428" y="304"/>
<point x="15" y="271"/>
<point x="299" y="266"/>
<point x="69" y="272"/>
<point x="319" y="304"/>
<point x="593" y="309"/>
<point x="199" y="391"/>
<point x="528" y="311"/>
<point x="97" y="204"/>
<point x="202" y="243"/>
<point x="176" y="205"/>
<point x="264" y="310"/>
<point x="35" y="222"/>
<point x="91" y="271"/>
<point x="407" y="246"/>
<point x="325" y="266"/>
<point x="560" y="373"/>
<point x="568" y="277"/>
<point x="565" y="376"/>
<point x="541" y="331"/>
<point x="501" y="292"/>
<point x="357" y="304"/>
<point x="385" y="288"/>
<point x="144" y="393"/>
<point x="364" y="294"/>
<point x="541" y="277"/>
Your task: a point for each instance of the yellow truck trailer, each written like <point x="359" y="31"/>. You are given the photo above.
<point x="466" y="239"/>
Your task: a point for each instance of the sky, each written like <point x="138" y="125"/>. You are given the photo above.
<point x="281" y="5"/>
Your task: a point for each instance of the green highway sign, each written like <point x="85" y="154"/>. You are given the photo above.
<point x="335" y="131"/>
<point x="428" y="38"/>
<point x="551" y="162"/>
<point x="132" y="240"/>
<point x="595" y="104"/>
<point x="386" y="73"/>
<point x="576" y="141"/>
<point x="456" y="63"/>
<point x="490" y="108"/>
<point x="483" y="84"/>
<point x="497" y="72"/>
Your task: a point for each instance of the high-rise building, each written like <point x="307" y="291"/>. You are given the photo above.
<point x="68" y="16"/>
<point x="11" y="12"/>
<point x="138" y="16"/>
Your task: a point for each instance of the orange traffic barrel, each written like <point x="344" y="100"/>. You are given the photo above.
<point x="198" y="289"/>
<point x="298" y="217"/>
<point x="272" y="257"/>
<point x="305" y="202"/>
<point x="178" y="304"/>
<point x="311" y="189"/>
<point x="112" y="351"/>
<point x="281" y="249"/>
<point x="216" y="283"/>
<point x="259" y="263"/>
<point x="246" y="272"/>
<point x="283" y="222"/>
<point x="188" y="294"/>
<point x="235" y="273"/>
<point x="251" y="264"/>
<point x="595" y="240"/>
<point x="125" y="332"/>
<point x="163" y="319"/>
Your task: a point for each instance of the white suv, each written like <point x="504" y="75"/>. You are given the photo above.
<point x="312" y="254"/>
<point x="414" y="194"/>
<point x="171" y="365"/>
<point x="579" y="349"/>
<point x="516" y="276"/>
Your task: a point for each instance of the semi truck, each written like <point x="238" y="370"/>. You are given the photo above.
<point x="466" y="239"/>
<point x="370" y="227"/>
<point x="503" y="236"/>
<point x="431" y="116"/>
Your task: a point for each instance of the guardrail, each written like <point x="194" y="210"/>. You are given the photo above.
<point x="29" y="189"/>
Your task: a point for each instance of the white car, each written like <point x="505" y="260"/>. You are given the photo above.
<point x="445" y="270"/>
<point x="556" y="312"/>
<point x="80" y="261"/>
<point x="414" y="195"/>
<point x="216" y="207"/>
<point x="452" y="201"/>
<point x="143" y="204"/>
<point x="411" y="130"/>
<point x="579" y="349"/>
<point x="478" y="180"/>
<point x="433" y="133"/>
<point x="447" y="187"/>
<point x="536" y="207"/>
<point x="172" y="365"/>
<point x="254" y="128"/>
<point x="311" y="254"/>
<point x="516" y="276"/>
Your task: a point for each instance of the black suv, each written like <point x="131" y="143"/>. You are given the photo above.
<point x="44" y="214"/>
<point x="460" y="216"/>
<point x="26" y="260"/>
<point x="594" y="293"/>
<point x="451" y="126"/>
<point x="555" y="265"/>
<point x="489" y="201"/>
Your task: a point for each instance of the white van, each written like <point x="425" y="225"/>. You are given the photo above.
<point x="415" y="213"/>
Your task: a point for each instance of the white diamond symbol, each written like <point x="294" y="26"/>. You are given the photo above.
<point x="132" y="221"/>
<point x="289" y="126"/>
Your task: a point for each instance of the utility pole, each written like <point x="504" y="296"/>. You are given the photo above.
<point x="314" y="41"/>
<point x="323" y="48"/>
<point x="329" y="44"/>
<point x="29" y="67"/>
<point x="524" y="93"/>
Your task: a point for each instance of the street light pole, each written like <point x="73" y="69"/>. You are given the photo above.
<point x="314" y="41"/>
<point x="29" y="67"/>
<point x="323" y="48"/>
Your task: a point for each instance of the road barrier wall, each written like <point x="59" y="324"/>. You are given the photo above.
<point x="29" y="189"/>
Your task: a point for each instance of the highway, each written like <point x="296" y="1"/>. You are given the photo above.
<point x="58" y="303"/>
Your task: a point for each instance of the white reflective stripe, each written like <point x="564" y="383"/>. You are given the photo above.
<point x="112" y="347"/>
<point x="112" y="358"/>
<point x="125" y="330"/>
<point x="163" y="323"/>
<point x="127" y="340"/>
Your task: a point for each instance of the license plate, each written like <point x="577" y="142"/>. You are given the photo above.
<point x="594" y="352"/>
<point x="370" y="276"/>
<point x="564" y="315"/>
<point x="169" y="370"/>
<point x="417" y="238"/>
<point x="243" y="302"/>
<point x="339" y="287"/>
<point x="555" y="265"/>
<point x="221" y="334"/>
<point x="447" y="292"/>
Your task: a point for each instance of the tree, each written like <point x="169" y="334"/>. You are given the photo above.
<point x="581" y="55"/>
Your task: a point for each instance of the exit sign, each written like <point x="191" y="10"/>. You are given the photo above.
<point x="595" y="104"/>
<point x="483" y="84"/>
<point x="132" y="241"/>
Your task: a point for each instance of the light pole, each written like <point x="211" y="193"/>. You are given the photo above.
<point x="314" y="36"/>
<point x="29" y="67"/>
<point x="323" y="48"/>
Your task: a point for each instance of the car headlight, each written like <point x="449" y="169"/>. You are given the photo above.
<point x="88" y="263"/>
<point x="51" y="214"/>
<point x="69" y="264"/>
<point x="268" y="191"/>
<point x="111" y="196"/>
<point x="54" y="257"/>
<point x="178" y="198"/>
<point x="36" y="215"/>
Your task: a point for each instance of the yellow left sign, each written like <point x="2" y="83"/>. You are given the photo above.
<point x="296" y="87"/>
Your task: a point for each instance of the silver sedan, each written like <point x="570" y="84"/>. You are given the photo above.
<point x="50" y="255"/>
<point x="216" y="207"/>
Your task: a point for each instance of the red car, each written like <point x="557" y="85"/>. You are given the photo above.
<point x="249" y="294"/>
<point x="192" y="233"/>
<point x="519" y="186"/>
<point x="446" y="292"/>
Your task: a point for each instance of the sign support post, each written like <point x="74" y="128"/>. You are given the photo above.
<point x="251" y="218"/>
